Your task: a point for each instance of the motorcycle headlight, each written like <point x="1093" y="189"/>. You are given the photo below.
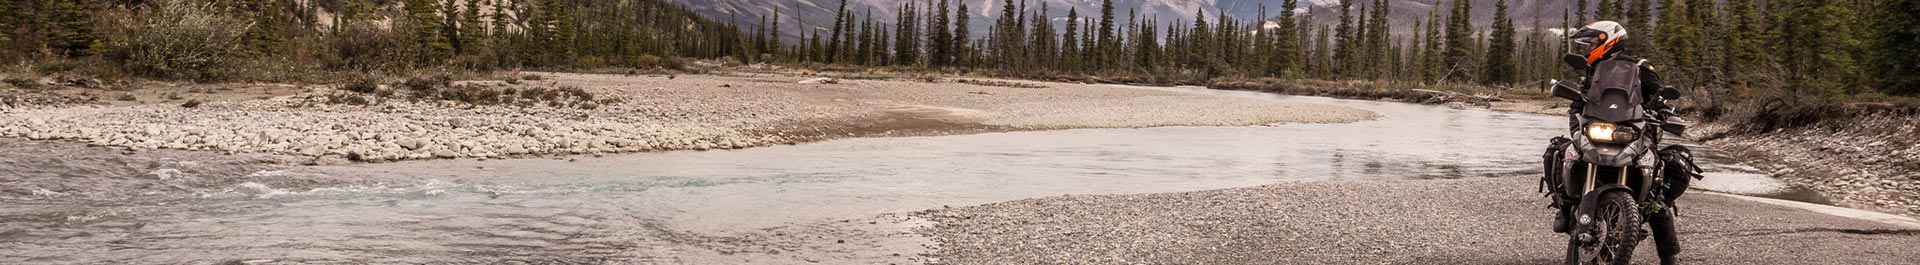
<point x="1606" y="132"/>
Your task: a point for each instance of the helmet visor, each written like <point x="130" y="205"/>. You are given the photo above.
<point x="1582" y="44"/>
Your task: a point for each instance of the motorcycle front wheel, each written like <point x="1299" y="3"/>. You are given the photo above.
<point x="1615" y="231"/>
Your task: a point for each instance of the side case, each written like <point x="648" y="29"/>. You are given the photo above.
<point x="1552" y="182"/>
<point x="1678" y="170"/>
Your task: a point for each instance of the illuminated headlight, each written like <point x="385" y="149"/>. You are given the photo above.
<point x="1605" y="132"/>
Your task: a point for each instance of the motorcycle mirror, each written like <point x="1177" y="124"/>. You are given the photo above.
<point x="1576" y="61"/>
<point x="1562" y="89"/>
<point x="1668" y="92"/>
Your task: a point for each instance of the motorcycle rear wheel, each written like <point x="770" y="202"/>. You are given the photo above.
<point x="1616" y="231"/>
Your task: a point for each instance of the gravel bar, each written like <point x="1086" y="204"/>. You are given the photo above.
<point x="1462" y="221"/>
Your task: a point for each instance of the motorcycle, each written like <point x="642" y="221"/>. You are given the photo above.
<point x="1609" y="165"/>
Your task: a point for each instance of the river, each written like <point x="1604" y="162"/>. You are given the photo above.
<point x="709" y="206"/>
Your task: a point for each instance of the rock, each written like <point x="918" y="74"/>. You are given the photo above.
<point x="408" y="143"/>
<point x="822" y="80"/>
<point x="445" y="153"/>
<point x="330" y="160"/>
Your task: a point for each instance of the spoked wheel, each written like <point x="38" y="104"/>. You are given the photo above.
<point x="1615" y="231"/>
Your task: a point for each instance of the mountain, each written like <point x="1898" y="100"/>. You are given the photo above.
<point x="819" y="14"/>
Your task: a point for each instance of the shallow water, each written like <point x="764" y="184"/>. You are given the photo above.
<point x="704" y="206"/>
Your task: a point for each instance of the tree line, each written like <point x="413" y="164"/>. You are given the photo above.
<point x="1720" y="48"/>
<point x="1733" y="48"/>
<point x="219" y="40"/>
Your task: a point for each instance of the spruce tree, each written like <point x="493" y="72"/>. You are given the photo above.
<point x="1069" y="45"/>
<point x="426" y="27"/>
<point x="1458" y="65"/>
<point x="1893" y="53"/>
<point x="1107" y="44"/>
<point x="839" y="26"/>
<point x="1378" y="43"/>
<point x="1674" y="40"/>
<point x="1287" y="53"/>
<point x="906" y="33"/>
<point x="1500" y="62"/>
<point x="942" y="37"/>
<point x="1433" y="64"/>
<point x="1608" y="10"/>
<point x="963" y="55"/>
<point x="72" y="32"/>
<point x="1343" y="53"/>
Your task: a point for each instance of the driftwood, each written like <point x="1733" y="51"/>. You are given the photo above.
<point x="1450" y="95"/>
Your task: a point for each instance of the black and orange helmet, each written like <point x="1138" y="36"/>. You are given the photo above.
<point x="1599" y="39"/>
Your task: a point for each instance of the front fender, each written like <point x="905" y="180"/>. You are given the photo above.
<point x="1588" y="203"/>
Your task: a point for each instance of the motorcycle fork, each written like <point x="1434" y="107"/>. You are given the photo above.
<point x="1593" y="177"/>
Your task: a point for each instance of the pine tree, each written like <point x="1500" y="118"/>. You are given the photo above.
<point x="963" y="55"/>
<point x="774" y="45"/>
<point x="427" y="28"/>
<point x="942" y="37"/>
<point x="1674" y="40"/>
<point x="1069" y="45"/>
<point x="1892" y="51"/>
<point x="1457" y="64"/>
<point x="1107" y="43"/>
<point x="1499" y="64"/>
<point x="1638" y="17"/>
<point x="1433" y="65"/>
<point x="1286" y="51"/>
<point x="839" y="26"/>
<point x="1378" y="43"/>
<point x="1608" y="10"/>
<point x="1580" y="8"/>
<point x="471" y="30"/>
<point x="1343" y="54"/>
<point x="1042" y="35"/>
<point x="1746" y="45"/>
<point x="72" y="34"/>
<point x="906" y="36"/>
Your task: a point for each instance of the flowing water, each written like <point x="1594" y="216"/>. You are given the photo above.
<point x="775" y="204"/>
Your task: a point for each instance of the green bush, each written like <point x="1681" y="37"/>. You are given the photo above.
<point x="178" y="40"/>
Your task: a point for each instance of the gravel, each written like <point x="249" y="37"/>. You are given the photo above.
<point x="1464" y="221"/>
<point x="652" y="113"/>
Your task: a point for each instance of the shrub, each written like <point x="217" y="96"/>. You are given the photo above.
<point x="427" y="84"/>
<point x="23" y="81"/>
<point x="349" y="99"/>
<point x="361" y="84"/>
<point x="577" y="93"/>
<point x="363" y="45"/>
<point x="181" y="40"/>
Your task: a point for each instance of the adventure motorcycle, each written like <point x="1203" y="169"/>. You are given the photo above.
<point x="1609" y="166"/>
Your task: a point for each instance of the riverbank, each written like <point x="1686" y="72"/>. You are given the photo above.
<point x="1462" y="221"/>
<point x="1868" y="161"/>
<point x="631" y="113"/>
